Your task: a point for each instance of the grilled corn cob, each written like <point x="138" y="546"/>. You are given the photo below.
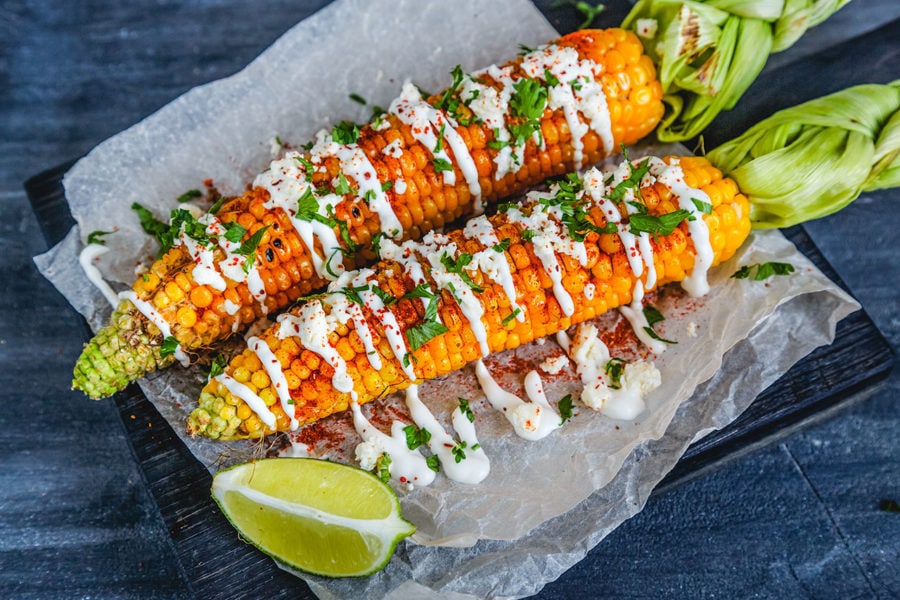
<point x="424" y="164"/>
<point x="526" y="272"/>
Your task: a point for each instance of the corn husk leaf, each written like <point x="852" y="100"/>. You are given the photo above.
<point x="813" y="159"/>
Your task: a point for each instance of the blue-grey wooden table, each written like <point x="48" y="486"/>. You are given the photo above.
<point x="797" y="518"/>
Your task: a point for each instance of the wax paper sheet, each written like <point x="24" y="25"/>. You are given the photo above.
<point x="545" y="504"/>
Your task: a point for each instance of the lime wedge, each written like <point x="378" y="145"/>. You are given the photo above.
<point x="317" y="516"/>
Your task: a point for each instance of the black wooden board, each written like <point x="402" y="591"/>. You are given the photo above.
<point x="827" y="380"/>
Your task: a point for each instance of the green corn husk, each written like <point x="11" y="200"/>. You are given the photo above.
<point x="709" y="52"/>
<point x="815" y="158"/>
<point x="123" y="351"/>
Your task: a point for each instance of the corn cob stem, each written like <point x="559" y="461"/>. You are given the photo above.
<point x="433" y="161"/>
<point x="499" y="283"/>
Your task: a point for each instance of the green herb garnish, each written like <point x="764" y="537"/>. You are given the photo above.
<point x="94" y="237"/>
<point x="763" y="270"/>
<point x="169" y="346"/>
<point x="416" y="437"/>
<point x="564" y="406"/>
<point x="466" y="410"/>
<point x="345" y="132"/>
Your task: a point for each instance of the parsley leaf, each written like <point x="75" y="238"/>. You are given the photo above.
<point x="95" y="237"/>
<point x="564" y="406"/>
<point x="307" y="206"/>
<point x="169" y="346"/>
<point x="656" y="336"/>
<point x="657" y="226"/>
<point x="614" y="369"/>
<point x="458" y="451"/>
<point x="248" y="248"/>
<point x="358" y="99"/>
<point x="217" y="367"/>
<point x="416" y="437"/>
<point x="383" y="467"/>
<point x="343" y="186"/>
<point x="150" y="224"/>
<point x="448" y="101"/>
<point x="234" y="232"/>
<point x="550" y="78"/>
<point x="384" y="296"/>
<point x="501" y="246"/>
<point x="466" y="410"/>
<point x="528" y="102"/>
<point x="763" y="270"/>
<point x="189" y="195"/>
<point x="433" y="463"/>
<point x="511" y="316"/>
<point x="216" y="205"/>
<point x="633" y="181"/>
<point x="419" y="335"/>
<point x="441" y="164"/>
<point x="458" y="266"/>
<point x="704" y="207"/>
<point x="652" y="314"/>
<point x="345" y="132"/>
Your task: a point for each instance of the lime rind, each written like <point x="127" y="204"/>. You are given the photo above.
<point x="320" y="539"/>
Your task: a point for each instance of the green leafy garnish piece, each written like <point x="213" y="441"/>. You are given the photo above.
<point x="217" y="367"/>
<point x="416" y="437"/>
<point x="421" y="334"/>
<point x="234" y="232"/>
<point x="633" y="182"/>
<point x="614" y="369"/>
<point x="345" y="132"/>
<point x="550" y="78"/>
<point x="528" y="102"/>
<point x="248" y="248"/>
<point x="565" y="408"/>
<point x="216" y="205"/>
<point x="433" y="463"/>
<point x="458" y="451"/>
<point x="658" y="225"/>
<point x="150" y="224"/>
<point x="466" y="410"/>
<point x="307" y="206"/>
<point x="573" y="208"/>
<point x="189" y="195"/>
<point x="449" y="101"/>
<point x="94" y="237"/>
<point x="763" y="270"/>
<point x="511" y="316"/>
<point x="656" y="336"/>
<point x="652" y="314"/>
<point x="502" y="245"/>
<point x="383" y="467"/>
<point x="343" y="186"/>
<point x="458" y="266"/>
<point x="441" y="164"/>
<point x="704" y="207"/>
<point x="358" y="99"/>
<point x="169" y="346"/>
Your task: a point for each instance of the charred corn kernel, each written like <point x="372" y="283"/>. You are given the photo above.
<point x="284" y="264"/>
<point x="186" y="316"/>
<point x="545" y="310"/>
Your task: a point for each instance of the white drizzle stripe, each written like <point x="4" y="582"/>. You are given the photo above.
<point x="146" y="309"/>
<point x="530" y="420"/>
<point x="86" y="259"/>
<point x="635" y="315"/>
<point x="356" y="164"/>
<point x="256" y="404"/>
<point x="407" y="466"/>
<point x="273" y="368"/>
<point x="473" y="468"/>
<point x="311" y="326"/>
<point x="359" y="319"/>
<point x="424" y="121"/>
<point x="494" y="264"/>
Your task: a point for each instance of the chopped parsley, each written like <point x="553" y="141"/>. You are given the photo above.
<point x="508" y="318"/>
<point x="449" y="101"/>
<point x="419" y="335"/>
<point x="565" y="408"/>
<point x="216" y="205"/>
<point x="527" y="102"/>
<point x="307" y="166"/>
<point x="652" y="314"/>
<point x="528" y="235"/>
<point x="152" y="226"/>
<point x="501" y="246"/>
<point x="439" y="146"/>
<point x="458" y="266"/>
<point x="169" y="346"/>
<point x="343" y="186"/>
<point x="550" y="78"/>
<point x="234" y="232"/>
<point x="248" y="248"/>
<point x="358" y="99"/>
<point x="441" y="164"/>
<point x="433" y="463"/>
<point x="217" y="367"/>
<point x="523" y="50"/>
<point x="345" y="132"/>
<point x="615" y="368"/>
<point x="95" y="237"/>
<point x="704" y="207"/>
<point x="383" y="467"/>
<point x="376" y="242"/>
<point x="466" y="410"/>
<point x="657" y="226"/>
<point x="416" y="437"/>
<point x="656" y="336"/>
<point x="573" y="209"/>
<point x="189" y="195"/>
<point x="458" y="451"/>
<point x="387" y="185"/>
<point x="307" y="206"/>
<point x="633" y="181"/>
<point x="763" y="270"/>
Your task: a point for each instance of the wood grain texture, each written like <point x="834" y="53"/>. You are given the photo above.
<point x="80" y="516"/>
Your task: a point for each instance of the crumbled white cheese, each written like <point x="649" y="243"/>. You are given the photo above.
<point x="692" y="329"/>
<point x="367" y="455"/>
<point x="526" y="417"/>
<point x="554" y="364"/>
<point x="646" y="28"/>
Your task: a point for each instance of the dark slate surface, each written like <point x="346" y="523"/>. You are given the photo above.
<point x="79" y="518"/>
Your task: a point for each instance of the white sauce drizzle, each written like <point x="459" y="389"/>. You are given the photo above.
<point x="86" y="259"/>
<point x="471" y="469"/>
<point x="146" y="309"/>
<point x="311" y="325"/>
<point x="273" y="368"/>
<point x="356" y="164"/>
<point x="531" y="420"/>
<point x="256" y="404"/>
<point x="407" y="466"/>
<point x="492" y="263"/>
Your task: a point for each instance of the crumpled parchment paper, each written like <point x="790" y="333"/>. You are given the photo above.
<point x="545" y="504"/>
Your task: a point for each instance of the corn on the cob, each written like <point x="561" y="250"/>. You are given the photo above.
<point x="499" y="283"/>
<point x="424" y="164"/>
